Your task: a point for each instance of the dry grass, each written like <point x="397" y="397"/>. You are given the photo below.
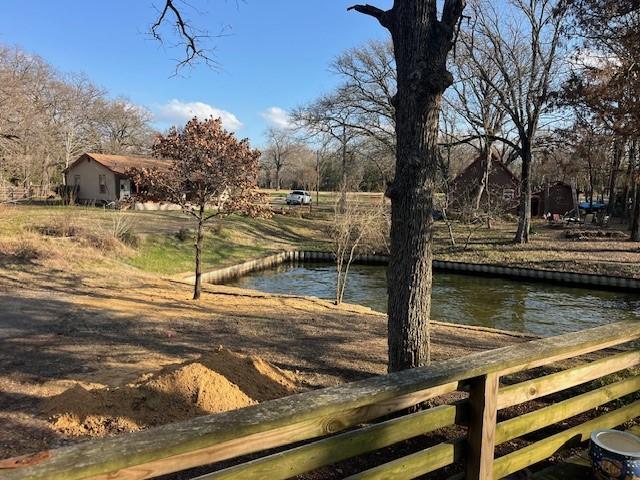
<point x="25" y="248"/>
<point x="113" y="235"/>
<point x="548" y="249"/>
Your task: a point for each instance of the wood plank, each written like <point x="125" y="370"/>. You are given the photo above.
<point x="340" y="447"/>
<point x="530" y="422"/>
<point x="556" y="382"/>
<point x="416" y="464"/>
<point x="237" y="447"/>
<point x="483" y="398"/>
<point x="207" y="439"/>
<point x="536" y="452"/>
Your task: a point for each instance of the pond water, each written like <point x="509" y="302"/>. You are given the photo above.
<point x="537" y="308"/>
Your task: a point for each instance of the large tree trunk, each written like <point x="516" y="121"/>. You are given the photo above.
<point x="627" y="189"/>
<point x="343" y="179"/>
<point x="277" y="179"/>
<point x="197" y="290"/>
<point x="421" y="43"/>
<point x="524" y="210"/>
<point x="613" y="177"/>
<point x="409" y="271"/>
<point x="317" y="178"/>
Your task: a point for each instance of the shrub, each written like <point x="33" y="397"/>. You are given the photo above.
<point x="23" y="248"/>
<point x="63" y="226"/>
<point x="121" y="230"/>
<point x="183" y="234"/>
<point x="102" y="240"/>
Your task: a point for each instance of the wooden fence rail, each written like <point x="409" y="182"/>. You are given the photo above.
<point x="326" y="418"/>
<point x="13" y="193"/>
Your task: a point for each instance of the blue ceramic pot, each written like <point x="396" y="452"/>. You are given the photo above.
<point x="615" y="455"/>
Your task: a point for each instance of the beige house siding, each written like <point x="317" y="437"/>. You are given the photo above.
<point x="89" y="172"/>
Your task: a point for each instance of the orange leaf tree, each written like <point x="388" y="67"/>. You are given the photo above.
<point x="210" y="174"/>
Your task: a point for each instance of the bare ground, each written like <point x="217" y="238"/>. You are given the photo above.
<point x="67" y="318"/>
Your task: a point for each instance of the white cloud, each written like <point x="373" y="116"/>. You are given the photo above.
<point x="277" y="117"/>
<point x="178" y="113"/>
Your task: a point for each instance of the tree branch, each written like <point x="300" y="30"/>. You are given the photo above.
<point x="452" y="12"/>
<point x="495" y="138"/>
<point x="383" y="16"/>
<point x="191" y="40"/>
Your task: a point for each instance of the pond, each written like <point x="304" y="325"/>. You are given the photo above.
<point x="536" y="308"/>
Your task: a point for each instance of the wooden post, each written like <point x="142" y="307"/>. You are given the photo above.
<point x="481" y="437"/>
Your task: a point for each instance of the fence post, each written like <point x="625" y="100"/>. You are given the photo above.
<point x="481" y="436"/>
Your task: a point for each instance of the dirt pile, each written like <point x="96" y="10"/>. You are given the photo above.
<point x="214" y="383"/>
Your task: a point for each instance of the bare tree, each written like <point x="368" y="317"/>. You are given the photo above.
<point x="281" y="146"/>
<point x="524" y="48"/>
<point x="48" y="118"/>
<point x="327" y="117"/>
<point x="422" y="41"/>
<point x="369" y="84"/>
<point x="356" y="229"/>
<point x="73" y="105"/>
<point x="123" y="127"/>
<point x="475" y="101"/>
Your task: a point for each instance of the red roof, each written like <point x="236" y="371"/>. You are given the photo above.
<point x="121" y="163"/>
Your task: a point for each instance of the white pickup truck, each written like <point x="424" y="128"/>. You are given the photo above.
<point x="298" y="197"/>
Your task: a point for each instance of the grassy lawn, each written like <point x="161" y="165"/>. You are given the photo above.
<point x="158" y="249"/>
<point x="168" y="255"/>
<point x="156" y="246"/>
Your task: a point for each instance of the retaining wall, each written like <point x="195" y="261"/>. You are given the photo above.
<point x="514" y="273"/>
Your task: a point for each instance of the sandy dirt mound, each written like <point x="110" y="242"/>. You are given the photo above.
<point x="218" y="382"/>
<point x="257" y="378"/>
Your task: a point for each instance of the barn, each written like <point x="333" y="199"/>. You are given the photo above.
<point x="555" y="198"/>
<point x="504" y="186"/>
<point x="101" y="178"/>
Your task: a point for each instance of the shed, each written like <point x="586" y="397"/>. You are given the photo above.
<point x="557" y="197"/>
<point x="103" y="178"/>
<point x="503" y="185"/>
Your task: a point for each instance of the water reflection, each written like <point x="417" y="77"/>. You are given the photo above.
<point x="536" y="308"/>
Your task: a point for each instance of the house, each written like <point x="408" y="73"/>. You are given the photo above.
<point x="101" y="178"/>
<point x="503" y="185"/>
<point x="555" y="198"/>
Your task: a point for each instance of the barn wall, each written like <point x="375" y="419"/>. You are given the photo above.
<point x="464" y="186"/>
<point x="560" y="200"/>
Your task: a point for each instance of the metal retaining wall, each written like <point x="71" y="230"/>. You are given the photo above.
<point x="607" y="282"/>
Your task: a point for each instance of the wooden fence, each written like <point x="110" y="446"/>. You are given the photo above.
<point x="11" y="193"/>
<point x="322" y="427"/>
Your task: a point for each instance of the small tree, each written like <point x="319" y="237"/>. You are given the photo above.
<point x="211" y="174"/>
<point x="356" y="229"/>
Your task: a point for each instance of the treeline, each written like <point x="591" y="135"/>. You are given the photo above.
<point x="48" y="118"/>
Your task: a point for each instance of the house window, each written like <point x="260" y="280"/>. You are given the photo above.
<point x="102" y="180"/>
<point x="508" y="194"/>
<point x="76" y="179"/>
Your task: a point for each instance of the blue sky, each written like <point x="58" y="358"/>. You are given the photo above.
<point x="275" y="54"/>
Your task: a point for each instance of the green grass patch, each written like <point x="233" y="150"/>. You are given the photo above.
<point x="167" y="255"/>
